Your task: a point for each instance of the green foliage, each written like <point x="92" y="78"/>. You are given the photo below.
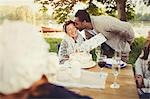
<point x="94" y="57"/>
<point x="53" y="42"/>
<point x="94" y="10"/>
<point x="111" y="10"/>
<point x="43" y="9"/>
<point x="111" y="7"/>
<point x="62" y="8"/>
<point x="136" y="48"/>
<point x="61" y="14"/>
<point x="130" y="11"/>
<point x="146" y="2"/>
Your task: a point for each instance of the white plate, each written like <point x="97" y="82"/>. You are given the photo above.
<point x="110" y="61"/>
<point x="89" y="65"/>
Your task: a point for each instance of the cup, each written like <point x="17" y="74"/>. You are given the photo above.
<point x="101" y="63"/>
<point x="76" y="70"/>
<point x="115" y="71"/>
<point x="63" y="74"/>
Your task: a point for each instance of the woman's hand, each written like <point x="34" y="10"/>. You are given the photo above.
<point x="139" y="80"/>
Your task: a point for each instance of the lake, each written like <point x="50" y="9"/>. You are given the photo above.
<point x="141" y="28"/>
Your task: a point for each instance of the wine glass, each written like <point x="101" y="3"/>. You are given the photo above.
<point x="116" y="71"/>
<point x="117" y="57"/>
<point x="101" y="63"/>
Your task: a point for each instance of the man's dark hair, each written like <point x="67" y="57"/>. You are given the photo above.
<point x="66" y="24"/>
<point x="83" y="15"/>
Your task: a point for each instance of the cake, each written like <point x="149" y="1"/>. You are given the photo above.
<point x="85" y="59"/>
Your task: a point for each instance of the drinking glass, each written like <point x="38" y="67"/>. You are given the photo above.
<point x="101" y="63"/>
<point x="63" y="73"/>
<point x="115" y="71"/>
<point x="117" y="57"/>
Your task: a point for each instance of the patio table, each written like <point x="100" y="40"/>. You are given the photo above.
<point x="127" y="90"/>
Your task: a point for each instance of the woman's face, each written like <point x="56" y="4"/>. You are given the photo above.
<point x="71" y="30"/>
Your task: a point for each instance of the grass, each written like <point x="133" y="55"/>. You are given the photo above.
<point x="53" y="42"/>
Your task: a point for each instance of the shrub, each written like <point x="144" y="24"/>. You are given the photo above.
<point x="53" y="42"/>
<point x="136" y="48"/>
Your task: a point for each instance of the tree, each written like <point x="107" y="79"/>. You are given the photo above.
<point x="124" y="8"/>
<point x="94" y="10"/>
<point x="62" y="8"/>
<point x="146" y="2"/>
<point x="121" y="5"/>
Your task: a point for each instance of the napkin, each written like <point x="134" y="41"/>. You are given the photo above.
<point x="92" y="43"/>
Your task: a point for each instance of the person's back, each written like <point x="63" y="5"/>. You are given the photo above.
<point x="110" y="26"/>
<point x="118" y="33"/>
<point x="47" y="90"/>
<point x="24" y="61"/>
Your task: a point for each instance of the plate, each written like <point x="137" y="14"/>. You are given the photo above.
<point x="86" y="65"/>
<point x="110" y="65"/>
<point x="110" y="61"/>
<point x="89" y="65"/>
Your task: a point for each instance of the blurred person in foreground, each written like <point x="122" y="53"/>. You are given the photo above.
<point x="24" y="65"/>
<point x="119" y="34"/>
<point x="142" y="70"/>
<point x="71" y="41"/>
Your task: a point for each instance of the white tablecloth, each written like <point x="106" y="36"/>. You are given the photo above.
<point x="88" y="79"/>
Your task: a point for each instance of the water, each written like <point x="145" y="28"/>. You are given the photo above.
<point x="141" y="28"/>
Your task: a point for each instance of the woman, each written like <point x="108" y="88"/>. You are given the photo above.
<point x="24" y="64"/>
<point x="72" y="40"/>
<point x="142" y="69"/>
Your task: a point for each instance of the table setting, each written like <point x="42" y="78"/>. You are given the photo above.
<point x="89" y="82"/>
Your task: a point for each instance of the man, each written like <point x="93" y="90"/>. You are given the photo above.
<point x="119" y="34"/>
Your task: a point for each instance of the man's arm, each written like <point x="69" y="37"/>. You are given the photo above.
<point x="128" y="33"/>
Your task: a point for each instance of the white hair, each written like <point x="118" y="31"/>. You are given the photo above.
<point x="23" y="56"/>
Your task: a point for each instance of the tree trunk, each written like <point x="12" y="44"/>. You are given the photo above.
<point x="90" y="1"/>
<point x="121" y="5"/>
